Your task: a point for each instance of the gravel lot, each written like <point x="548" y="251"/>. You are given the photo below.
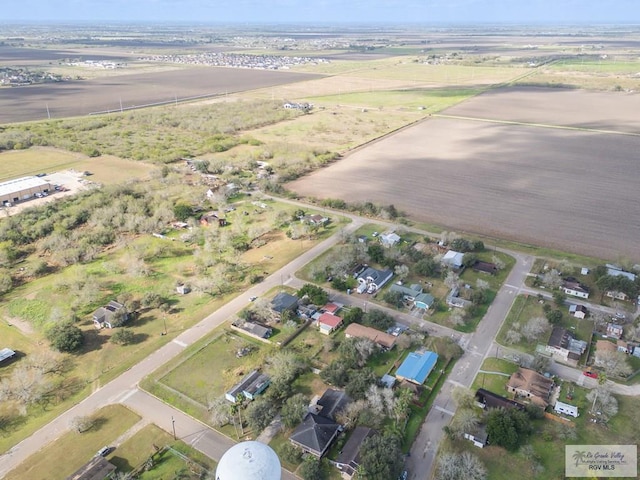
<point x="571" y="190"/>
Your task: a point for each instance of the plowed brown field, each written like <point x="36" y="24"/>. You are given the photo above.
<point x="574" y="190"/>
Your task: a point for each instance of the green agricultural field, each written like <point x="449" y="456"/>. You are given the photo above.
<point x="76" y="448"/>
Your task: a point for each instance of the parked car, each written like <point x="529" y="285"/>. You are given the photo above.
<point x="251" y="299"/>
<point x="590" y="374"/>
<point x="104" y="451"/>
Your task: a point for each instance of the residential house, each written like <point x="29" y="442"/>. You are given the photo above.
<point x="616" y="295"/>
<point x="213" y="218"/>
<point x="477" y="435"/>
<point x="453" y="259"/>
<point x="389" y="239"/>
<point x="417" y="367"/>
<point x="616" y="271"/>
<point x="98" y="468"/>
<point x="614" y="330"/>
<point x="331" y="308"/>
<point x="284" y="301"/>
<point x="455" y="300"/>
<point x="566" y="409"/>
<point x="408" y="293"/>
<point x="424" y="301"/>
<point x="328" y="322"/>
<point x="372" y="280"/>
<point x="382" y="339"/>
<point x="575" y="288"/>
<point x="315" y="434"/>
<point x="318" y="220"/>
<point x="636" y="351"/>
<point x="488" y="399"/>
<point x="331" y="403"/>
<point x="578" y="311"/>
<point x="251" y="385"/>
<point x="348" y="460"/>
<point x="602" y="348"/>
<point x="103" y="317"/>
<point x="255" y="329"/>
<point x="530" y="384"/>
<point x="485" y="267"/>
<point x="564" y="347"/>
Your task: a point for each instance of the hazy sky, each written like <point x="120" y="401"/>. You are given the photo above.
<point x="418" y="11"/>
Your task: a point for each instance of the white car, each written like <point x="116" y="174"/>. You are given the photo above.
<point x="251" y="299"/>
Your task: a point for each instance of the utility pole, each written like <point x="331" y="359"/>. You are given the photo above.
<point x="173" y="424"/>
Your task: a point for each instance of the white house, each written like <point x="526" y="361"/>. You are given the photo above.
<point x="389" y="239"/>
<point x="575" y="289"/>
<point x="453" y="259"/>
<point x="566" y="409"/>
<point x="578" y="311"/>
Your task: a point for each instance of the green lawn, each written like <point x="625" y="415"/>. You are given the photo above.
<point x="491" y="381"/>
<point x="76" y="448"/>
<point x="524" y="308"/>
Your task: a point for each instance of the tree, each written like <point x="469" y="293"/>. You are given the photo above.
<point x="460" y="466"/>
<point x="508" y="428"/>
<point x="359" y="382"/>
<point x="182" y="211"/>
<point x="294" y="409"/>
<point x="81" y="423"/>
<point x="513" y="336"/>
<point x="559" y="298"/>
<point x="336" y="373"/>
<point x="394" y="298"/>
<point x="534" y="328"/>
<point x="380" y="457"/>
<point x="552" y="279"/>
<point x="603" y="403"/>
<point x="285" y="365"/>
<point x="614" y="364"/>
<point x="119" y="317"/>
<point x="290" y="453"/>
<point x="378" y="319"/>
<point x="376" y="253"/>
<point x="452" y="280"/>
<point x="427" y="267"/>
<point x="6" y="282"/>
<point x="316" y="294"/>
<point x="259" y="414"/>
<point x="123" y="336"/>
<point x="220" y="412"/>
<point x="353" y="315"/>
<point x="463" y="397"/>
<point x="401" y="272"/>
<point x="464" y="421"/>
<point x="65" y="337"/>
<point x="311" y="469"/>
<point x="554" y="316"/>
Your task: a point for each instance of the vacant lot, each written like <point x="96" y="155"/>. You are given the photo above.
<point x="37" y="102"/>
<point x="566" y="189"/>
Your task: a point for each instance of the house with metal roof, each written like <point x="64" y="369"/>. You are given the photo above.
<point x="328" y="322"/>
<point x="284" y="301"/>
<point x="453" y="259"/>
<point x="252" y="385"/>
<point x="417" y="367"/>
<point x="372" y="280"/>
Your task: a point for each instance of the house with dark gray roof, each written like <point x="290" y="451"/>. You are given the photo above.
<point x="371" y="280"/>
<point x="284" y="301"/>
<point x="332" y="403"/>
<point x="255" y="329"/>
<point x="315" y="434"/>
<point x="564" y="346"/>
<point x="348" y="460"/>
<point x="492" y="400"/>
<point x="98" y="468"/>
<point x="103" y="317"/>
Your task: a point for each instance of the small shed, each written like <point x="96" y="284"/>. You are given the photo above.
<point x="183" y="289"/>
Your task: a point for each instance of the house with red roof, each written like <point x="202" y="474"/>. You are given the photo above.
<point x="328" y="322"/>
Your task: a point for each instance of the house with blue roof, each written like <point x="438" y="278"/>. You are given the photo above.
<point x="417" y="367"/>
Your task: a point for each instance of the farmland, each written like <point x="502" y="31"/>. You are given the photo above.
<point x="37" y="102"/>
<point x="557" y="187"/>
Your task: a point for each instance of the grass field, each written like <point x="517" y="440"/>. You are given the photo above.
<point x="76" y="449"/>
<point x="106" y="169"/>
<point x="492" y="381"/>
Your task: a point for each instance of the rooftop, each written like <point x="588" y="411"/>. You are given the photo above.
<point x="417" y="366"/>
<point x="11" y="186"/>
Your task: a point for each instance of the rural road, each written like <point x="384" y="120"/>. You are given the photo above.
<point x="124" y="388"/>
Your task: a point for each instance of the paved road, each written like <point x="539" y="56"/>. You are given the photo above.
<point x="124" y="387"/>
<point x="423" y="452"/>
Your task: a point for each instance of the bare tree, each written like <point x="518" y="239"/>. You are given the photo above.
<point x="614" y="364"/>
<point x="603" y="404"/>
<point x="463" y="397"/>
<point x="497" y="261"/>
<point x="81" y="423"/>
<point x="534" y="328"/>
<point x="513" y="336"/>
<point x="460" y="466"/>
<point x="482" y="284"/>
<point x="452" y="280"/>
<point x="219" y="411"/>
<point x="401" y="271"/>
<point x="350" y="415"/>
<point x="457" y="317"/>
<point x="552" y="279"/>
